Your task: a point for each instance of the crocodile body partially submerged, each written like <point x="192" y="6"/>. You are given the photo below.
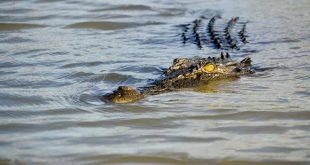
<point x="192" y="72"/>
<point x="184" y="73"/>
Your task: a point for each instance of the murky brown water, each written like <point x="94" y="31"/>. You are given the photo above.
<point x="58" y="57"/>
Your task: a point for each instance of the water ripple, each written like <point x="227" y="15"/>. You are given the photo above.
<point x="84" y="64"/>
<point x="251" y="129"/>
<point x="18" y="26"/>
<point x="17" y="100"/>
<point x="124" y="7"/>
<point x="32" y="113"/>
<point x="58" y="57"/>
<point x="33" y="84"/>
<point x="141" y="69"/>
<point x="107" y="25"/>
<point x="256" y="116"/>
<point x="137" y="139"/>
<point x="15" y="40"/>
<point x="111" y="78"/>
<point x="273" y="149"/>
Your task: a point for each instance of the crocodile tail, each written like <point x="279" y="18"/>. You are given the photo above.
<point x="123" y="94"/>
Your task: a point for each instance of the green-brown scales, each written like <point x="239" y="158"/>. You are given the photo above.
<point x="184" y="73"/>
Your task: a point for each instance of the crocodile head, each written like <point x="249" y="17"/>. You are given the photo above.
<point x="224" y="69"/>
<point x="204" y="69"/>
<point x="123" y="94"/>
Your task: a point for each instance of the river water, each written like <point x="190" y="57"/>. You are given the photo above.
<point x="58" y="57"/>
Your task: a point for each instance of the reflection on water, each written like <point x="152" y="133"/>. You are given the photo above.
<point x="107" y="25"/>
<point x="216" y="86"/>
<point x="17" y="26"/>
<point x="58" y="57"/>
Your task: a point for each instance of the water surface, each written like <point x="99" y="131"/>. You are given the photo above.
<point x="58" y="57"/>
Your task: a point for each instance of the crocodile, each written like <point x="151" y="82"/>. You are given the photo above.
<point x="184" y="73"/>
<point x="196" y="71"/>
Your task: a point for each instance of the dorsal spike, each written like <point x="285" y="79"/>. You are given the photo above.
<point x="212" y="33"/>
<point x="242" y="34"/>
<point x="222" y="55"/>
<point x="227" y="55"/>
<point x="228" y="32"/>
<point x="246" y="61"/>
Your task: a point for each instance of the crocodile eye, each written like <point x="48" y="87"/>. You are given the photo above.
<point x="208" y="68"/>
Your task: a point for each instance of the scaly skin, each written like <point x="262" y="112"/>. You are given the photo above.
<point x="123" y="94"/>
<point x="184" y="73"/>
